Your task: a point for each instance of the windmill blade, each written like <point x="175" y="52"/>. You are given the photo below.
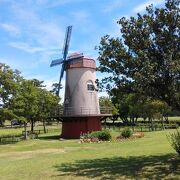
<point x="66" y="42"/>
<point x="56" y="62"/>
<point x="60" y="78"/>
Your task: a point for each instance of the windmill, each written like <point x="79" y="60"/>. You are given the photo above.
<point x="64" y="59"/>
<point x="81" y="112"/>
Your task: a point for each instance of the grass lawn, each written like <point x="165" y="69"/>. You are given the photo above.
<point x="150" y="157"/>
<point x="18" y="131"/>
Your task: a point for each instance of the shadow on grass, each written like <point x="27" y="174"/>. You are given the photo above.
<point x="49" y="137"/>
<point x="150" y="167"/>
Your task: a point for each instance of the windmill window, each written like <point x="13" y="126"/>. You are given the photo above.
<point x="90" y="86"/>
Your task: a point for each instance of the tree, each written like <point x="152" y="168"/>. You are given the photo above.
<point x="24" y="100"/>
<point x="46" y="103"/>
<point x="106" y="105"/>
<point x="33" y="103"/>
<point x="154" y="109"/>
<point x="146" y="60"/>
<point x="9" y="81"/>
<point x="129" y="105"/>
<point x="9" y="84"/>
<point x="24" y="103"/>
<point x="55" y="88"/>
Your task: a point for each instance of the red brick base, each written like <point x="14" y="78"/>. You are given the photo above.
<point x="72" y="127"/>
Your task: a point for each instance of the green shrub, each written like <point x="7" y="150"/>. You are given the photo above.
<point x="126" y="133"/>
<point x="175" y="141"/>
<point x="103" y="135"/>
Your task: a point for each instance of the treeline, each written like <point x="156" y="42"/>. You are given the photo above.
<point x="24" y="100"/>
<point x="142" y="65"/>
<point x="130" y="107"/>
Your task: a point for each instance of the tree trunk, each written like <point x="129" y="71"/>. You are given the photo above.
<point x="162" y="122"/>
<point x="105" y="123"/>
<point x="32" y="125"/>
<point x="44" y="125"/>
<point x="151" y="124"/>
<point x="25" y="130"/>
<point x="132" y="123"/>
<point x="130" y="120"/>
<point x="125" y="121"/>
<point x="113" y="123"/>
<point x="166" y="119"/>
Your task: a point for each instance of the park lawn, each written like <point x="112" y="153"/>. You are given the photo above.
<point x="150" y="157"/>
<point x="18" y="130"/>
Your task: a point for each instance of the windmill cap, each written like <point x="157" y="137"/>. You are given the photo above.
<point x="77" y="55"/>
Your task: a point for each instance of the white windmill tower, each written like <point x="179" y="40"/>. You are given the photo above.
<point x="81" y="106"/>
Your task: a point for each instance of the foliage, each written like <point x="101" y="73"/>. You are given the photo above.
<point x="103" y="135"/>
<point x="132" y="106"/>
<point x="146" y="59"/>
<point x="32" y="102"/>
<point x="152" y="107"/>
<point x="175" y="141"/>
<point x="129" y="106"/>
<point x="126" y="133"/>
<point x="105" y="102"/>
<point x="24" y="100"/>
<point x="9" y="80"/>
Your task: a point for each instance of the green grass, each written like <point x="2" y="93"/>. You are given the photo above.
<point x="150" y="157"/>
<point x="18" y="130"/>
<point x="175" y="118"/>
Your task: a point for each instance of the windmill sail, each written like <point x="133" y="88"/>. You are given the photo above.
<point x="56" y="62"/>
<point x="63" y="60"/>
<point x="66" y="41"/>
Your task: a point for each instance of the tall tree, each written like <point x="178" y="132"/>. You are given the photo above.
<point x="47" y="102"/>
<point x="146" y="59"/>
<point x="9" y="85"/>
<point x="9" y="82"/>
<point x="107" y="105"/>
<point x="25" y="102"/>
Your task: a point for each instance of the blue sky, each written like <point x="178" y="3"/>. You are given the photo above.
<point x="32" y="31"/>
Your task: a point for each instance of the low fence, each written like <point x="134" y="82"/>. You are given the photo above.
<point x="140" y="127"/>
<point x="8" y="139"/>
<point x="40" y="131"/>
<point x="81" y="111"/>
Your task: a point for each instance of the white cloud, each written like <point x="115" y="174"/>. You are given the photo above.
<point x="37" y="29"/>
<point x="18" y="64"/>
<point x="48" y="34"/>
<point x="56" y="3"/>
<point x="30" y="49"/>
<point x="142" y="7"/>
<point x="81" y="16"/>
<point x="45" y="54"/>
<point x="26" y="47"/>
<point x="112" y="5"/>
<point x="11" y="28"/>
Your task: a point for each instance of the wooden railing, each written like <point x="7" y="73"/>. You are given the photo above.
<point x="82" y="111"/>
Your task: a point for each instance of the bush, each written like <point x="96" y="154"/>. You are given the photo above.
<point x="175" y="141"/>
<point x="126" y="133"/>
<point x="101" y="135"/>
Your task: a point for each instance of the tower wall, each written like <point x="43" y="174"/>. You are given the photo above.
<point x="78" y="99"/>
